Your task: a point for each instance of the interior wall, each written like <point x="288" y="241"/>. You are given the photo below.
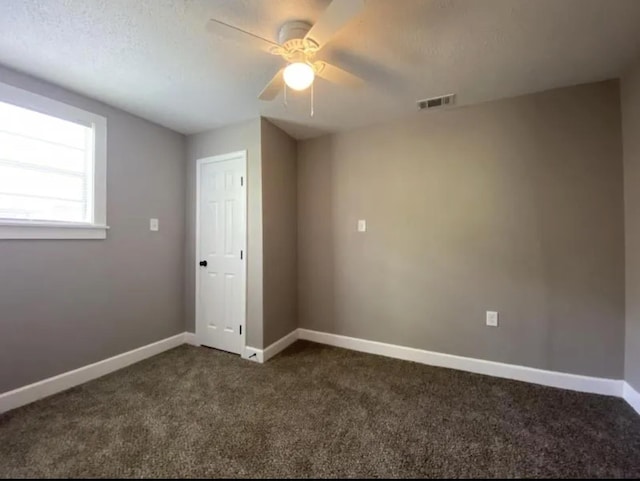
<point x="630" y="93"/>
<point x="514" y="206"/>
<point x="279" y="219"/>
<point x="233" y="138"/>
<point x="69" y="303"/>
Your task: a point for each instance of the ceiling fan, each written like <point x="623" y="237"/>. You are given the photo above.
<point x="298" y="44"/>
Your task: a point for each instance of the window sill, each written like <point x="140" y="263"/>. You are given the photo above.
<point x="51" y="230"/>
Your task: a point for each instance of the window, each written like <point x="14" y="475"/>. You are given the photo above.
<point x="52" y="169"/>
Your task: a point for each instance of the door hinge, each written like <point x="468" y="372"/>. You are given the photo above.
<point x="241" y="330"/>
<point x="241" y="255"/>
<point x="241" y="181"/>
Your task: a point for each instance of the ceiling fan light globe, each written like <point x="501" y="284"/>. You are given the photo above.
<point x="298" y="75"/>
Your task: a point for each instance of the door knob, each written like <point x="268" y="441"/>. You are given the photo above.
<point x="203" y="263"/>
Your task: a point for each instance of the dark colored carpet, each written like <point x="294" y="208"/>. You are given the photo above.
<point x="315" y="411"/>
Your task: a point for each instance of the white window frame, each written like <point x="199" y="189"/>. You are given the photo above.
<point x="26" y="229"/>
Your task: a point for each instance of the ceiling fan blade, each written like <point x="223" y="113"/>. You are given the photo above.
<point x="336" y="16"/>
<point x="336" y="75"/>
<point x="221" y="28"/>
<point x="273" y="88"/>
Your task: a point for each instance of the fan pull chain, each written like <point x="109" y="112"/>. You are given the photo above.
<point x="312" y="99"/>
<point x="285" y="95"/>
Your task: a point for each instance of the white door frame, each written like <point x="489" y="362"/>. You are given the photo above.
<point x="241" y="154"/>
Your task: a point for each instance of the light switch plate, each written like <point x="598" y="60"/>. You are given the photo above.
<point x="154" y="225"/>
<point x="362" y="225"/>
<point x="492" y="318"/>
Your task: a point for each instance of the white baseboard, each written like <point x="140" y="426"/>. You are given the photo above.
<point x="41" y="389"/>
<point x="190" y="338"/>
<point x="47" y="387"/>
<point x="280" y="345"/>
<point x="263" y="355"/>
<point x="574" y="382"/>
<point x="253" y="354"/>
<point x="631" y="396"/>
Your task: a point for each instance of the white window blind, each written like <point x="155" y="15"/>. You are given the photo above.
<point x="45" y="167"/>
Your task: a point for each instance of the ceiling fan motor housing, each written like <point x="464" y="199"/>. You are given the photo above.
<point x="294" y="30"/>
<point x="293" y="46"/>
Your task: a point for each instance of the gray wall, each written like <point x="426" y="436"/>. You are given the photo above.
<point x="243" y="136"/>
<point x="279" y="219"/>
<point x="631" y="146"/>
<point x="514" y="206"/>
<point x="68" y="303"/>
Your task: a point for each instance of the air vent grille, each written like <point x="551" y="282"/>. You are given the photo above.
<point x="437" y="102"/>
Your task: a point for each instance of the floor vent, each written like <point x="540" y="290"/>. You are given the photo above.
<point x="437" y="102"/>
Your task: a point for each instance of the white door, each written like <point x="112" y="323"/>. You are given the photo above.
<point x="221" y="252"/>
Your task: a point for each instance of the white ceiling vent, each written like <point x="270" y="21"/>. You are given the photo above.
<point x="437" y="102"/>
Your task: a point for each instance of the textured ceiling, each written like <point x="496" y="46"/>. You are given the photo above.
<point x="154" y="58"/>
